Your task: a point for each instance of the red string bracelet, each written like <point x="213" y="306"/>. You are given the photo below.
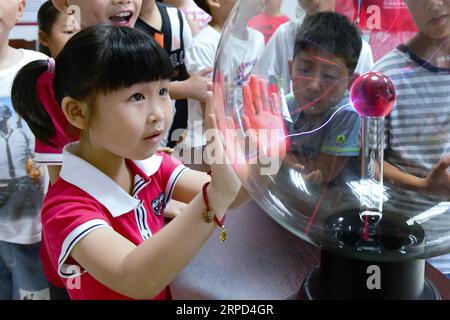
<point x="209" y="215"/>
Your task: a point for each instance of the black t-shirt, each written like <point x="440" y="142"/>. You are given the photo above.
<point x="170" y="37"/>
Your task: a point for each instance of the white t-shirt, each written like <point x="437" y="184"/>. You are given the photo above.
<point x="280" y="49"/>
<point x="236" y="65"/>
<point x="20" y="209"/>
<point x="200" y="55"/>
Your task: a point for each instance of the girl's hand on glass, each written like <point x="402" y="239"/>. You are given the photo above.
<point x="262" y="115"/>
<point x="223" y="178"/>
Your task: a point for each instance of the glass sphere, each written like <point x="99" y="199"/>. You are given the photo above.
<point x="351" y="163"/>
<point x="373" y="95"/>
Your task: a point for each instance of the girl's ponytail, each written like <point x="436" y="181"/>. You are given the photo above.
<point x="27" y="104"/>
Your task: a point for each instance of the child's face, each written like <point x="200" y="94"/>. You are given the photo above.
<point x="314" y="6"/>
<point x="115" y="12"/>
<point x="10" y="11"/>
<point x="432" y="17"/>
<point x="62" y="30"/>
<point x="319" y="80"/>
<point x="272" y="5"/>
<point x="131" y="122"/>
<point x="5" y="115"/>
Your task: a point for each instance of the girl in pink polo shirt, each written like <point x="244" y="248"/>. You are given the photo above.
<point x="87" y="13"/>
<point x="103" y="224"/>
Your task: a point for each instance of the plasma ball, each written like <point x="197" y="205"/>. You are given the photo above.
<point x="373" y="95"/>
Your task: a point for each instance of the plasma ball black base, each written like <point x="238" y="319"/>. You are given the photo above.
<point x="364" y="262"/>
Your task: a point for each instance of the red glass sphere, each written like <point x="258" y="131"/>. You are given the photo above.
<point x="373" y="95"/>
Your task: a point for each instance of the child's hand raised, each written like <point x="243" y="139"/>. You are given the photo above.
<point x="262" y="116"/>
<point x="197" y="85"/>
<point x="438" y="181"/>
<point x="264" y="131"/>
<point x="223" y="178"/>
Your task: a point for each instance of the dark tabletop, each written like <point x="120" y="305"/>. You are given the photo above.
<point x="260" y="260"/>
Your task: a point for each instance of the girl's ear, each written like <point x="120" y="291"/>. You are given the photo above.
<point x="76" y="112"/>
<point x="43" y="38"/>
<point x="61" y="5"/>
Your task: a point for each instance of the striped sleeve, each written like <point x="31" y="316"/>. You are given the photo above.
<point x="169" y="173"/>
<point x="63" y="226"/>
<point x="65" y="268"/>
<point x="47" y="155"/>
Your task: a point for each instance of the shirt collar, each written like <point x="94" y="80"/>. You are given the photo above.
<point x="88" y="178"/>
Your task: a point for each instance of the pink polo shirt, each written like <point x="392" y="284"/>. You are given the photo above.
<point x="84" y="199"/>
<point x="267" y="24"/>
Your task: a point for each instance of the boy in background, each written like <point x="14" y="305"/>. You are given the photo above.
<point x="417" y="131"/>
<point x="325" y="56"/>
<point x="272" y="63"/>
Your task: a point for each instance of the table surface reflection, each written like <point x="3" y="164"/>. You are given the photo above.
<point x="260" y="260"/>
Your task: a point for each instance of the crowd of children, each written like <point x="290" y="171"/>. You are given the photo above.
<point x="95" y="103"/>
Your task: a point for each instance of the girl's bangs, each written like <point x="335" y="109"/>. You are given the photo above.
<point x="128" y="57"/>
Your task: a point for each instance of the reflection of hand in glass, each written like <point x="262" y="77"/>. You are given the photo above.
<point x="262" y="116"/>
<point x="315" y="177"/>
<point x="292" y="162"/>
<point x="438" y="181"/>
<point x="260" y="144"/>
<point x="318" y="171"/>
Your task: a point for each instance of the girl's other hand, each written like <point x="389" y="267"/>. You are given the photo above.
<point x="223" y="178"/>
<point x="262" y="115"/>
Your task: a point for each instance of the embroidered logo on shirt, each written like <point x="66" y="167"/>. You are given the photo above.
<point x="158" y="204"/>
<point x="341" y="138"/>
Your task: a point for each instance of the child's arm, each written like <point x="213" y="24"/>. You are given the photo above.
<point x="193" y="88"/>
<point x="194" y="25"/>
<point x="436" y="183"/>
<point x="143" y="271"/>
<point x="324" y="168"/>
